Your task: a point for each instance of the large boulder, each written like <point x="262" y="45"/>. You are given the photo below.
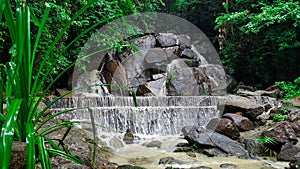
<point x="224" y="126"/>
<point x="145" y="42"/>
<point x="167" y="39"/>
<point x="181" y="80"/>
<point x="153" y="88"/>
<point x="207" y="138"/>
<point x="156" y="55"/>
<point x="282" y="132"/>
<point x="248" y="107"/>
<point x="289" y="152"/>
<point x="241" y="122"/>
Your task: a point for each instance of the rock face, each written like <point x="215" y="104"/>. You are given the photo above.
<point x="248" y="107"/>
<point x="188" y="73"/>
<point x="207" y="138"/>
<point x="167" y="39"/>
<point x="223" y="126"/>
<point x="289" y="152"/>
<point x="282" y="132"/>
<point x="243" y="123"/>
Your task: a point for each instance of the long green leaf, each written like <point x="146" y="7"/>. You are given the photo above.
<point x="10" y="21"/>
<point x="41" y="28"/>
<point x="7" y="133"/>
<point x="94" y="136"/>
<point x="44" y="156"/>
<point x="65" y="155"/>
<point x="30" y="147"/>
<point x="2" y="6"/>
<point x="58" y="37"/>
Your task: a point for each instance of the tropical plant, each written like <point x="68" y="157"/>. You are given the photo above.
<point x="290" y="89"/>
<point x="267" y="143"/>
<point x="259" y="40"/>
<point x="24" y="88"/>
<point x="279" y="118"/>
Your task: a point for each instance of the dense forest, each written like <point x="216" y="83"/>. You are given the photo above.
<point x="258" y="43"/>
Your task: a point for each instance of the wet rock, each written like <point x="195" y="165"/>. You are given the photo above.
<point x="129" y="167"/>
<point x="167" y="39"/>
<point x="214" y="152"/>
<point x="168" y="160"/>
<point x="187" y="53"/>
<point x="207" y="138"/>
<point x="228" y="166"/>
<point x="191" y="154"/>
<point x="250" y="108"/>
<point x="289" y="152"/>
<point x="243" y="123"/>
<point x="282" y="132"/>
<point x="128" y="137"/>
<point x="115" y="143"/>
<point x="139" y="161"/>
<point x="153" y="88"/>
<point x="154" y="143"/>
<point x="145" y="42"/>
<point x="223" y="126"/>
<point x="156" y="55"/>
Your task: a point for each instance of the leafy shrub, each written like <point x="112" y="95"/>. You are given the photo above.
<point x="290" y="89"/>
<point x="259" y="41"/>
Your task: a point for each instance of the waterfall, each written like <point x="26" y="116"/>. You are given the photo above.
<point x="154" y="115"/>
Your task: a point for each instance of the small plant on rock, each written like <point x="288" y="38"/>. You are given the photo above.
<point x="279" y="118"/>
<point x="266" y="143"/>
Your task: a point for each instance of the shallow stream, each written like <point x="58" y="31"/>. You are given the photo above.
<point x="148" y="157"/>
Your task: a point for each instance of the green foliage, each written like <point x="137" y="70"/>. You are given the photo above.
<point x="61" y="14"/>
<point x="290" y="89"/>
<point x="267" y="143"/>
<point x="256" y="37"/>
<point x="279" y="118"/>
<point x="23" y="86"/>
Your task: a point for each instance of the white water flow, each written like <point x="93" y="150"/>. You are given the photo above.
<point x="154" y="115"/>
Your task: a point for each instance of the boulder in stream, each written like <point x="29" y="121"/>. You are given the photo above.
<point x="208" y="138"/>
<point x="243" y="123"/>
<point x="224" y="126"/>
<point x="248" y="107"/>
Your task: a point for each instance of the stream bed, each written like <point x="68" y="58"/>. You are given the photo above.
<point x="149" y="157"/>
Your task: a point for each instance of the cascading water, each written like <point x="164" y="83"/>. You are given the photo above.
<point x="154" y="115"/>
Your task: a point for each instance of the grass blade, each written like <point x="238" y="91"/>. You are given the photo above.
<point x="44" y="156"/>
<point x="94" y="135"/>
<point x="2" y="6"/>
<point x="10" y="21"/>
<point x="65" y="155"/>
<point x="30" y="147"/>
<point x="7" y="133"/>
